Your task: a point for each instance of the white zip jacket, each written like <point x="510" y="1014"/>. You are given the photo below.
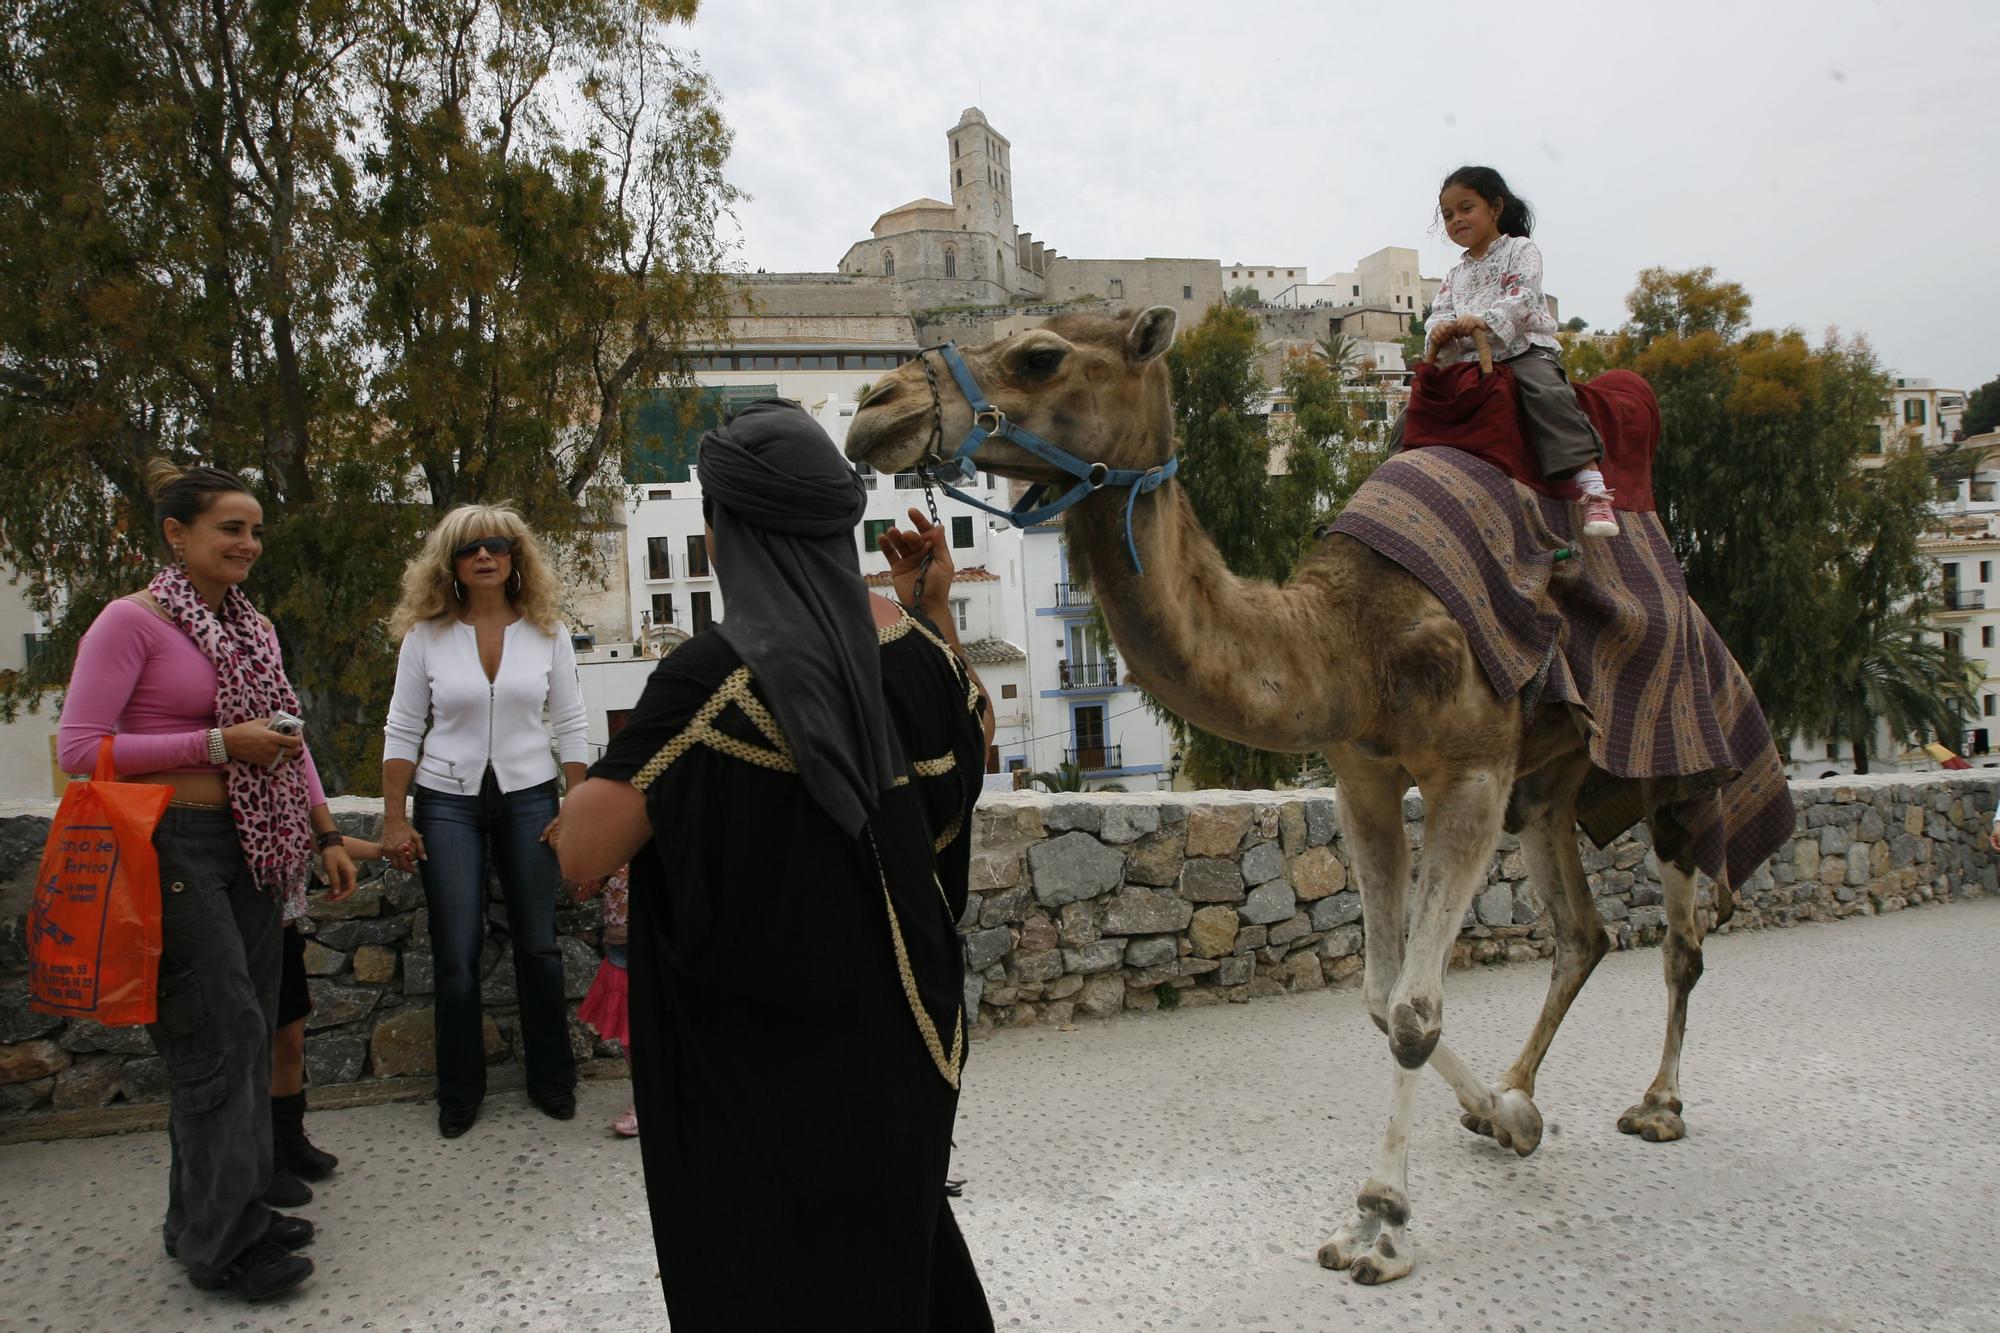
<point x="475" y="722"/>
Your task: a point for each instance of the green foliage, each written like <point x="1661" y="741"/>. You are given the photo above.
<point x="1576" y="324"/>
<point x="1244" y="296"/>
<point x="1342" y="356"/>
<point x="380" y="260"/>
<point x="1069" y="777"/>
<point x="1413" y="341"/>
<point x="1982" y="409"/>
<point x="1801" y="559"/>
<point x="1583" y="358"/>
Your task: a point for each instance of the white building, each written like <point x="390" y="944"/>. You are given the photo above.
<point x="27" y="746"/>
<point x="1267" y="279"/>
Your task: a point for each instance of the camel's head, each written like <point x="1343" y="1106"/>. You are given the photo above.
<point x="1092" y="385"/>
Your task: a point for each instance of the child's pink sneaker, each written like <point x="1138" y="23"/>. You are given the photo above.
<point x="1599" y="518"/>
<point x="627" y="1126"/>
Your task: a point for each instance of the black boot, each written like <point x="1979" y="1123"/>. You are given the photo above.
<point x="285" y="1190"/>
<point x="288" y="1133"/>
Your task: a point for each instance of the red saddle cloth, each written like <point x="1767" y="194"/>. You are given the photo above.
<point x="1454" y="407"/>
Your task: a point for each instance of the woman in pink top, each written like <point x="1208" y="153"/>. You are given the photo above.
<point x="185" y="678"/>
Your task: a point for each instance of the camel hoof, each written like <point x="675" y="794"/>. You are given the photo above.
<point x="1515" y="1122"/>
<point x="1373" y="1269"/>
<point x="1655" y="1122"/>
<point x="1370" y="1248"/>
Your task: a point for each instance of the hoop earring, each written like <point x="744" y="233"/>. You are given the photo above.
<point x="514" y="584"/>
<point x="458" y="590"/>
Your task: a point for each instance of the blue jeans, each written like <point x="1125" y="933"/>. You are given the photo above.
<point x="459" y="834"/>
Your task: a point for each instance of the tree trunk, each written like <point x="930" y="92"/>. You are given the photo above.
<point x="1860" y="757"/>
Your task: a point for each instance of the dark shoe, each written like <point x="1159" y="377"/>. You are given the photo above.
<point x="264" y="1270"/>
<point x="556" y="1105"/>
<point x="454" y="1121"/>
<point x="288" y="1131"/>
<point x="286" y="1190"/>
<point x="294" y="1233"/>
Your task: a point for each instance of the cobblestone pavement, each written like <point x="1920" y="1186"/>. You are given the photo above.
<point x="1176" y="1172"/>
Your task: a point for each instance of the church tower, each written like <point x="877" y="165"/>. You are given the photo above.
<point x="982" y="195"/>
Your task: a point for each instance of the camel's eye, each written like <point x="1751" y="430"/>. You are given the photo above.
<point x="1041" y="363"/>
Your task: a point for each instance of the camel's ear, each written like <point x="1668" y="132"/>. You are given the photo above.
<point x="1151" y="334"/>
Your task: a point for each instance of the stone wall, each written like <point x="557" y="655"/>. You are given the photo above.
<point x="1082" y="907"/>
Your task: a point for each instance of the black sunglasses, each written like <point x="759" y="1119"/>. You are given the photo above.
<point x="491" y="545"/>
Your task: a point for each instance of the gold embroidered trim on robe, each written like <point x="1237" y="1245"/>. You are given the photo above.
<point x="735" y="689"/>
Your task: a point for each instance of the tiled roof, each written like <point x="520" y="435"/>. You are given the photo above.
<point x="993" y="652"/>
<point x="975" y="574"/>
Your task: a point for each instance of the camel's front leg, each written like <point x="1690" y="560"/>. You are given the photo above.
<point x="1371" y="1247"/>
<point x="1462" y="814"/>
<point x="1657" y="1119"/>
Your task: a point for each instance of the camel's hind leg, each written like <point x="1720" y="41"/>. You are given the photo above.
<point x="1657" y="1119"/>
<point x="1548" y="845"/>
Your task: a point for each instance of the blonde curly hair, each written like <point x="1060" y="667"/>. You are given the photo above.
<point x="430" y="589"/>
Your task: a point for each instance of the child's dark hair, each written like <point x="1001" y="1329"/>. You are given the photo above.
<point x="1516" y="218"/>
<point x="184" y="493"/>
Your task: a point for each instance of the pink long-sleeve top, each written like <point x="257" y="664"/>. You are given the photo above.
<point x="142" y="681"/>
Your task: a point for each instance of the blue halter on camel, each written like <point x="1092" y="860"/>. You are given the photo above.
<point x="989" y="422"/>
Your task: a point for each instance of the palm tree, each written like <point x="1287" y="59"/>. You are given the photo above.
<point x="1067" y="777"/>
<point x="1341" y="354"/>
<point x="1895" y="675"/>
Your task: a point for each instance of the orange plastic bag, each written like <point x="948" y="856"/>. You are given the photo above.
<point x="94" y="930"/>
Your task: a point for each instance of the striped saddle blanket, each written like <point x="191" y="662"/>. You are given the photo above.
<point x="1674" y="730"/>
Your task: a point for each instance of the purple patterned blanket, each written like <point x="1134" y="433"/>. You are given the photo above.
<point x="1674" y="729"/>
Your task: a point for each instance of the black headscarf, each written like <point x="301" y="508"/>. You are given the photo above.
<point x="784" y="508"/>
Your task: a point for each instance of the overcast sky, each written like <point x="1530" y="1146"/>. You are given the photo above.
<point x="1837" y="159"/>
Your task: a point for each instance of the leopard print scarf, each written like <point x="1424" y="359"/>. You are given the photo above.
<point x="271" y="806"/>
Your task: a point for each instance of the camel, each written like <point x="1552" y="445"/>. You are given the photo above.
<point x="1354" y="658"/>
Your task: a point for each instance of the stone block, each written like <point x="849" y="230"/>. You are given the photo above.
<point x="1235" y="971"/>
<point x="404" y="1044"/>
<point x="498" y="986"/>
<point x="1150" y="951"/>
<point x="1101" y="996"/>
<point x="88" y="1083"/>
<point x="1044" y="965"/>
<point x="1268" y="904"/>
<point x="1063" y="816"/>
<point x="419" y="972"/>
<point x="1316" y="873"/>
<point x="1156" y="859"/>
<point x="1302" y="972"/>
<point x="579" y="966"/>
<point x="1062" y="988"/>
<point x="1805" y="858"/>
<point x="1038" y="933"/>
<point x="402" y="892"/>
<point x="1128" y="821"/>
<point x="975" y="987"/>
<point x="1320" y="823"/>
<point x="983" y="948"/>
<point x="1217" y="830"/>
<point x="1213" y="931"/>
<point x="1832" y="840"/>
<point x="1004" y="906"/>
<point x="337" y="1057"/>
<point x="1078" y="925"/>
<point x="1495" y="905"/>
<point x="26" y="1060"/>
<point x="1292" y="827"/>
<point x="1073" y="867"/>
<point x="1250" y="937"/>
<point x="350" y="935"/>
<point x="20" y="1023"/>
<point x="1339" y="910"/>
<point x="321" y="961"/>
<point x="1293" y="927"/>
<point x="1346" y="942"/>
<point x="1143" y="912"/>
<point x="145" y="1080"/>
<point x="1528" y="904"/>
<point x="1104" y="956"/>
<point x="992" y="870"/>
<point x="335" y="1004"/>
<point x="1211" y="880"/>
<point x="1857" y="865"/>
<point x="83" y="1035"/>
<point x="1262" y="864"/>
<point x="375" y="963"/>
<point x="1612" y="910"/>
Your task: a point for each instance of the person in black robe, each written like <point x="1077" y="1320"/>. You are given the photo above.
<point x="794" y="791"/>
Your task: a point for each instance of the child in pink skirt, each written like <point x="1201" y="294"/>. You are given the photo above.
<point x="604" y="1007"/>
